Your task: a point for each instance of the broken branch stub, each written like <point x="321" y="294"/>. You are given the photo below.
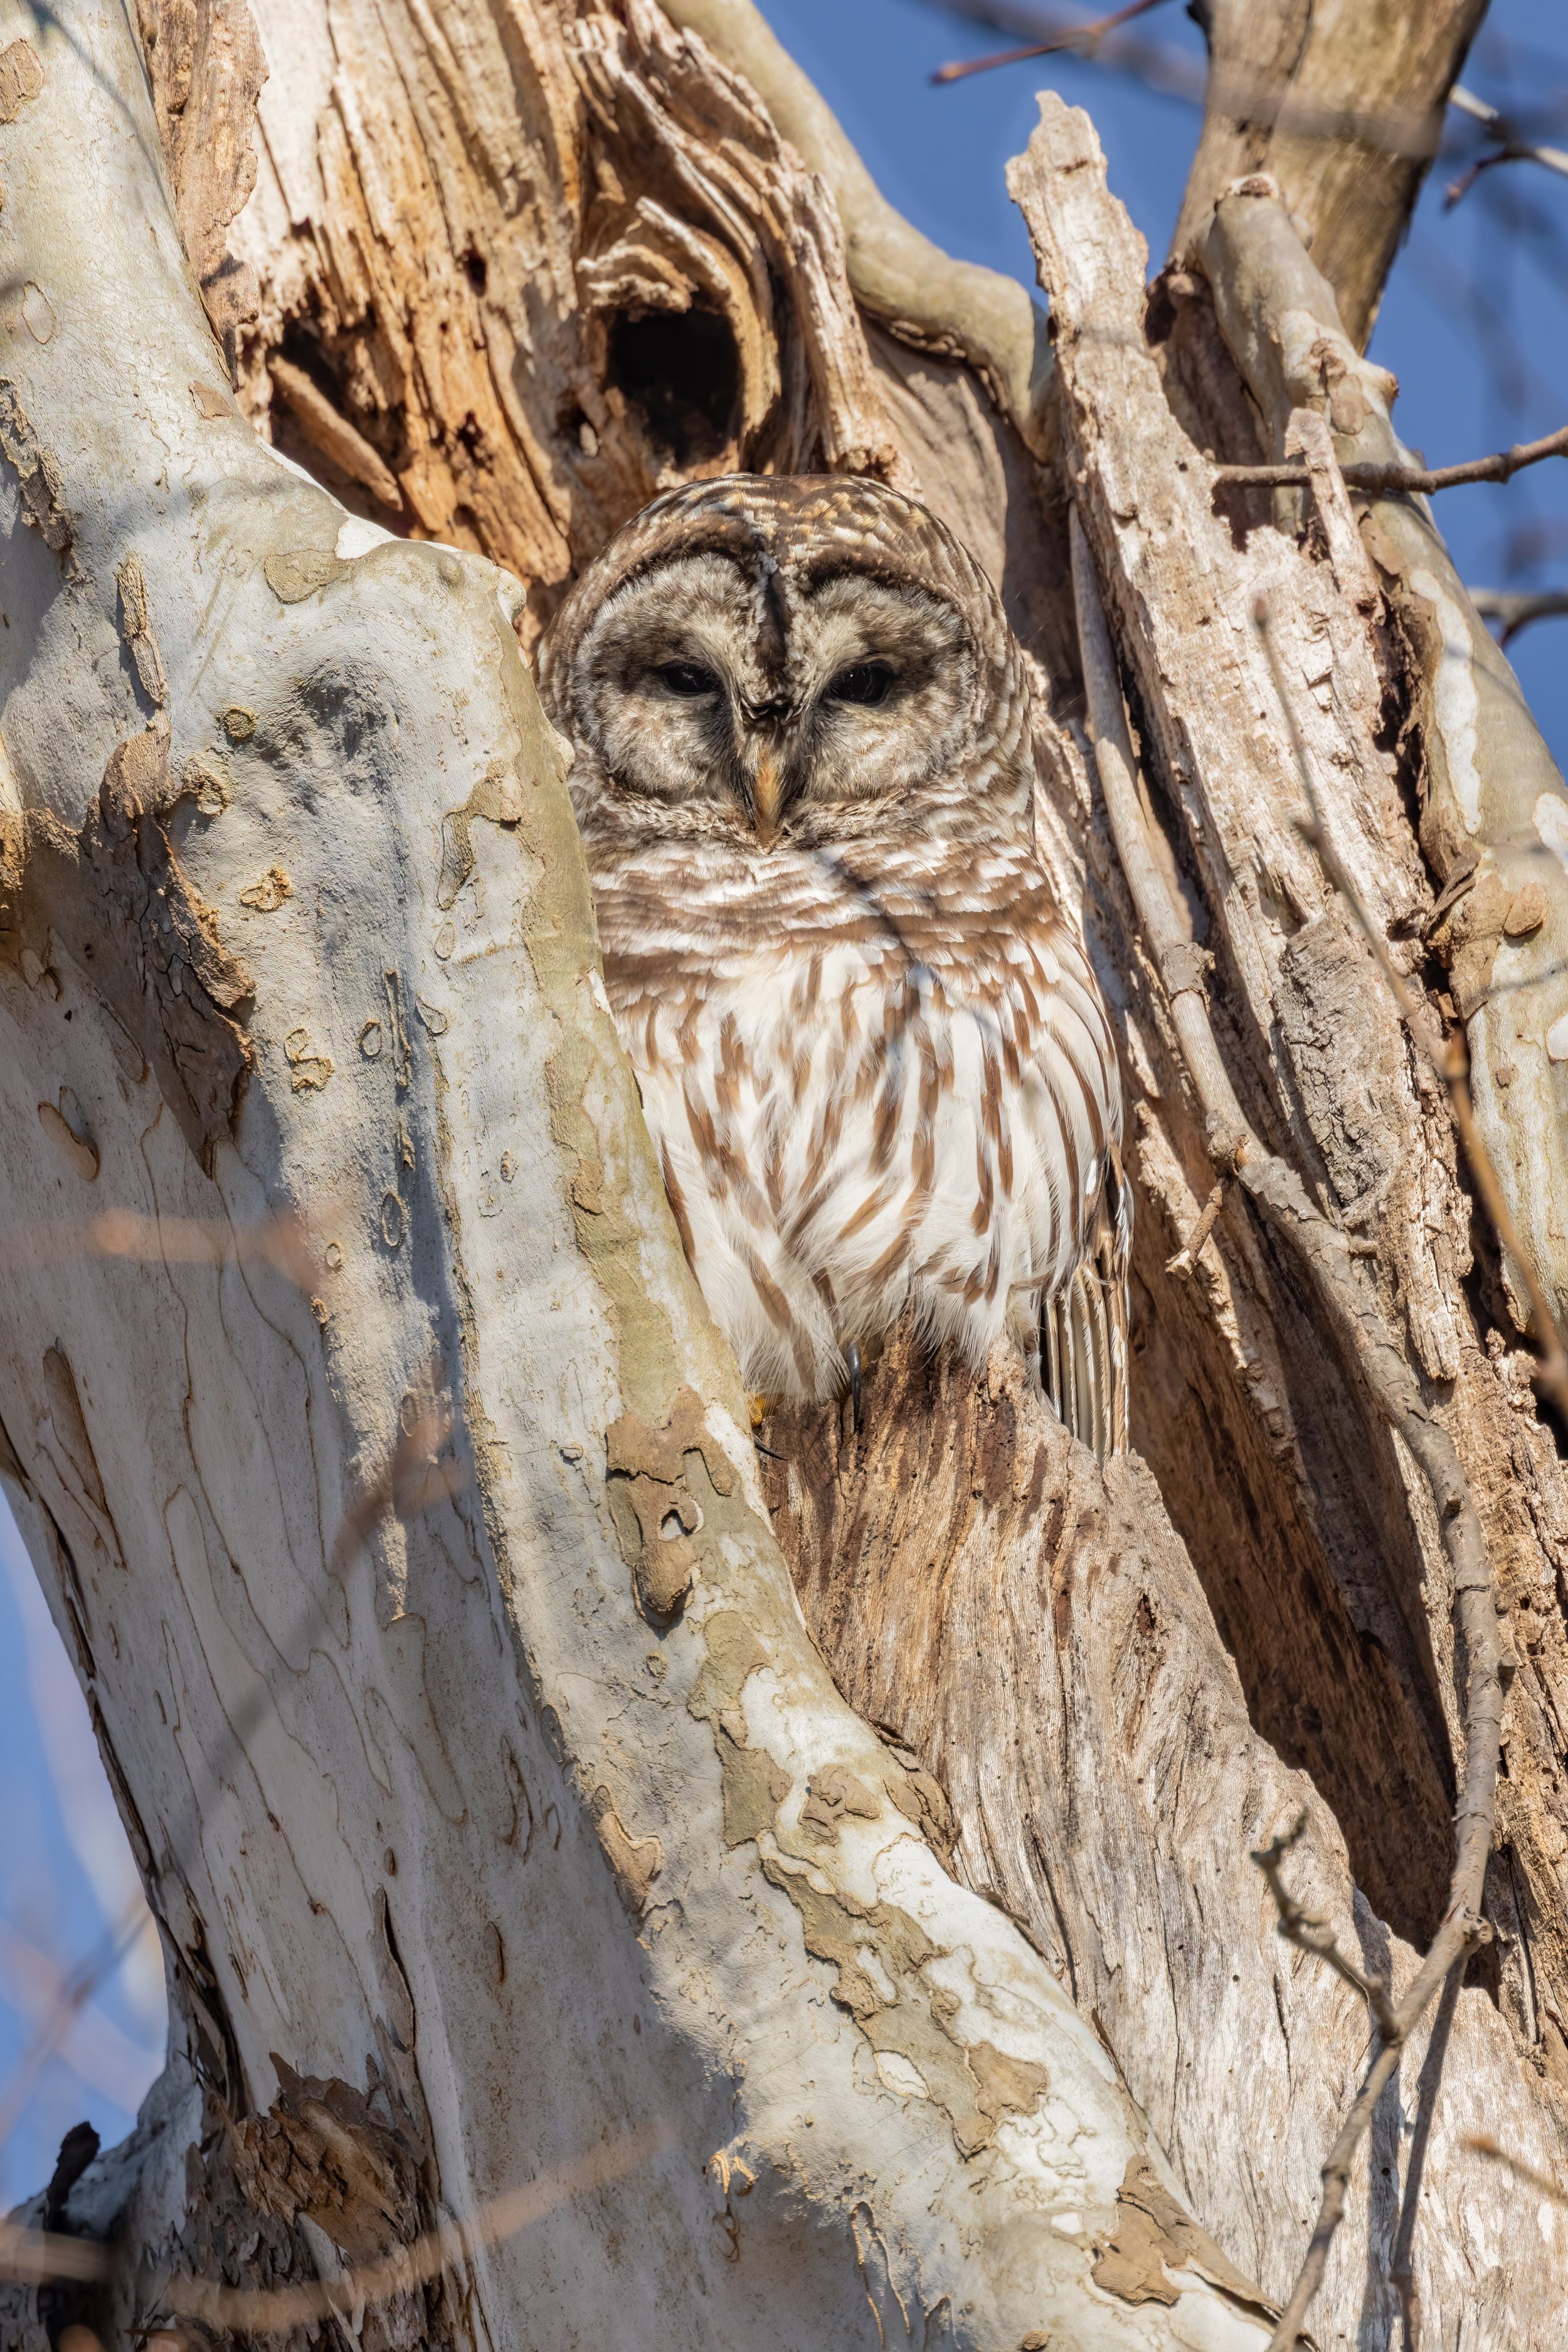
<point x="952" y="308"/>
<point x="487" y="1807"/>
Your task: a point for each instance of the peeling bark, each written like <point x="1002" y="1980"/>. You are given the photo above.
<point x="519" y="1831"/>
<point x="1493" y="805"/>
<point x="207" y="71"/>
<point x="712" y="1983"/>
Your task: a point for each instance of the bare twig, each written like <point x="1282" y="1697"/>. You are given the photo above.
<point x="1483" y="2144"/>
<point x="1176" y="72"/>
<point x="1512" y="146"/>
<point x="1187" y="1257"/>
<point x="1362" y="1331"/>
<point x="1380" y="481"/>
<point x="1159" y="65"/>
<point x="35" y="2256"/>
<point x="98" y="2052"/>
<point x="1517" y="608"/>
<point x="1402" y="2260"/>
<point x="74" y="1993"/>
<point x="1458" y="299"/>
<point x="282" y="1240"/>
<point x="1308" y="1934"/>
<point x="1447" y="1058"/>
<point x="1081" y="37"/>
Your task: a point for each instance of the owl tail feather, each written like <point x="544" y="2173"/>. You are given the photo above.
<point x="1084" y="1328"/>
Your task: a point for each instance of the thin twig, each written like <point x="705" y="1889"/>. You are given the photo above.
<point x="1275" y="104"/>
<point x="1517" y="608"/>
<point x="1187" y="1257"/>
<point x="1512" y="146"/>
<point x="1086" y="37"/>
<point x="36" y="2256"/>
<point x="1483" y="2144"/>
<point x="102" y="2054"/>
<point x="1380" y="481"/>
<point x="1315" y="1935"/>
<point x="72" y="1997"/>
<point x="33" y="2257"/>
<point x="1448" y="1059"/>
<point x="283" y="1241"/>
<point x="1402" y="2260"/>
<point x="1362" y="1329"/>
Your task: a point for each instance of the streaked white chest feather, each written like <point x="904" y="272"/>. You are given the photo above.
<point x="844" y="1135"/>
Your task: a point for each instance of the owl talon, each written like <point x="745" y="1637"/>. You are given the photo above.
<point x="760" y="1406"/>
<point x="852" y="1358"/>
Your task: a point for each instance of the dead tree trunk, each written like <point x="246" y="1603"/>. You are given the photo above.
<point x="354" y="1381"/>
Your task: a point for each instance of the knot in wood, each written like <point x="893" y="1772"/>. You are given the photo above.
<point x="1185" y="966"/>
<point x="649" y="1468"/>
<point x="320" y="2151"/>
<point x="1254" y="184"/>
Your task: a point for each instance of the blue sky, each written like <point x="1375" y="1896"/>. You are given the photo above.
<point x="1475" y="324"/>
<point x="66" y="1873"/>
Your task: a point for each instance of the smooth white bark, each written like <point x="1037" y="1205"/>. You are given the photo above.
<point x="460" y="1817"/>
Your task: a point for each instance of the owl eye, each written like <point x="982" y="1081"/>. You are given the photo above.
<point x="866" y="682"/>
<point x="686" y="679"/>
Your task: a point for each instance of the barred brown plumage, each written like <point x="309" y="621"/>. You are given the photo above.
<point x="872" y="1053"/>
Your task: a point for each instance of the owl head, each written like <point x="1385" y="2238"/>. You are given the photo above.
<point x="762" y="662"/>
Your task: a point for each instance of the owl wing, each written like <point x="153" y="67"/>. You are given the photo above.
<point x="1083" y="1334"/>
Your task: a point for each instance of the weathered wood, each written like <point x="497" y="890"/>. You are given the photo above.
<point x="1035" y="1637"/>
<point x="539" y="273"/>
<point x="455" y="226"/>
<point x="1494" y="813"/>
<point x="953" y="309"/>
<point x="471" y="1876"/>
<point x="1303" y="1038"/>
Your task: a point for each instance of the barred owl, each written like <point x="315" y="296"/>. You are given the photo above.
<point x="871" y="1052"/>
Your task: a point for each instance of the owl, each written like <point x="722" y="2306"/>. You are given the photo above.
<point x="872" y="1054"/>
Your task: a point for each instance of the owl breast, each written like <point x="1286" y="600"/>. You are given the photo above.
<point x="870" y="1095"/>
<point x="871" y="1052"/>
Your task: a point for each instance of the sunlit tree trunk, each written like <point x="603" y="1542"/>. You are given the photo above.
<point x="866" y="1949"/>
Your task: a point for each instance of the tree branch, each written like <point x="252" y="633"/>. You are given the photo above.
<point x="1085" y="37"/>
<point x="1483" y="2144"/>
<point x="41" y="2255"/>
<point x="1386" y="480"/>
<point x="1516" y="609"/>
<point x="1387" y="72"/>
<point x="1512" y="146"/>
<point x="1492" y="796"/>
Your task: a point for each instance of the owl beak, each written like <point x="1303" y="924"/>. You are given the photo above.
<point x="767" y="800"/>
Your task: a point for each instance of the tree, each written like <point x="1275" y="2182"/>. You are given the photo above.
<point x="524" y="1877"/>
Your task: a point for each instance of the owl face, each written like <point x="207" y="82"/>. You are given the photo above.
<point x="771" y="664"/>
